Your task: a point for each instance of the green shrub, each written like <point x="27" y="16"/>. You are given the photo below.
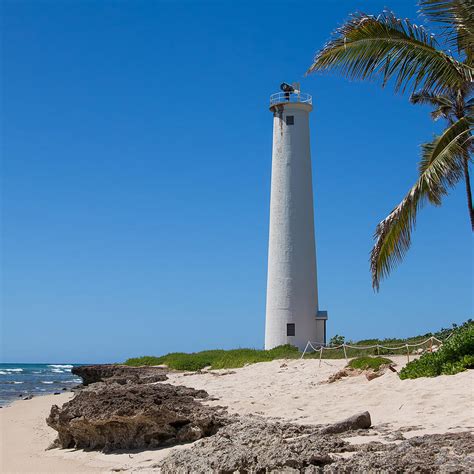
<point x="445" y="332"/>
<point x="337" y="340"/>
<point x="365" y="363"/>
<point x="456" y="355"/>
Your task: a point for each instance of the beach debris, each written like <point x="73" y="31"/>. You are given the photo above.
<point x="370" y="374"/>
<point x="220" y="374"/>
<point x="110" y="417"/>
<point x="340" y="374"/>
<point x="28" y="397"/>
<point x="209" y="372"/>
<point x="355" y="422"/>
<point x="121" y="374"/>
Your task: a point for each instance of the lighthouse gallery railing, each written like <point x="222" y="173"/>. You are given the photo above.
<point x="285" y="97"/>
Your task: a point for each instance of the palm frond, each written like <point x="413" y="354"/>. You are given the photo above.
<point x="443" y="103"/>
<point x="457" y="22"/>
<point x="427" y="97"/>
<point x="366" y="47"/>
<point x="440" y="169"/>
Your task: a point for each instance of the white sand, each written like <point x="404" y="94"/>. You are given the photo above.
<point x="291" y="390"/>
<point x="288" y="390"/>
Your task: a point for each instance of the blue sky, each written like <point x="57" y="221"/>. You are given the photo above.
<point x="136" y="151"/>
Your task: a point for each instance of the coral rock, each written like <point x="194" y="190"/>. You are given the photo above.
<point x="111" y="416"/>
<point x="120" y="373"/>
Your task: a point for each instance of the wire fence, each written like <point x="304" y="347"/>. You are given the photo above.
<point x="344" y="347"/>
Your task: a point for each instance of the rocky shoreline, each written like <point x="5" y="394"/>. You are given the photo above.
<point x="257" y="446"/>
<point x="125" y="408"/>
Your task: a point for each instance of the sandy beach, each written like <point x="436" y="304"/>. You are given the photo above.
<point x="284" y="390"/>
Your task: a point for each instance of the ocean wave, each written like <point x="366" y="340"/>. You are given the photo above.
<point x="3" y="373"/>
<point x="61" y="366"/>
<point x="48" y="382"/>
<point x="58" y="371"/>
<point x="15" y="382"/>
<point x="12" y="370"/>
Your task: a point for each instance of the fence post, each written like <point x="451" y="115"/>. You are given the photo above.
<point x="431" y="344"/>
<point x="345" y="353"/>
<point x="320" y="355"/>
<point x="304" y="352"/>
<point x="378" y="350"/>
<point x="408" y="353"/>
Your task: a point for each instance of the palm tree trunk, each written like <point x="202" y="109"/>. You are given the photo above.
<point x="468" y="187"/>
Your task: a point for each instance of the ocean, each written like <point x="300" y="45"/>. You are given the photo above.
<point x="20" y="380"/>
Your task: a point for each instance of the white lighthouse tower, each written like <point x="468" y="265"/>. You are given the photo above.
<point x="292" y="313"/>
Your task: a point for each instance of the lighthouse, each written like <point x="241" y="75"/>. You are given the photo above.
<point x="292" y="312"/>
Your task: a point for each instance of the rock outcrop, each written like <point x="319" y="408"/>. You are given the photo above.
<point x="448" y="452"/>
<point x="258" y="446"/>
<point x="251" y="444"/>
<point x="111" y="417"/>
<point x="119" y="374"/>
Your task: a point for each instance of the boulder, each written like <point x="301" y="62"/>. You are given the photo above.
<point x="111" y="417"/>
<point x="355" y="422"/>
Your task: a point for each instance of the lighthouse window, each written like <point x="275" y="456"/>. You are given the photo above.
<point x="290" y="329"/>
<point x="290" y="119"/>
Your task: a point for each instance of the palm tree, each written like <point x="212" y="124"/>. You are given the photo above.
<point x="407" y="56"/>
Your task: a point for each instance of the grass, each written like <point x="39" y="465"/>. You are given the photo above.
<point x="227" y="359"/>
<point x="217" y="359"/>
<point x="365" y="363"/>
